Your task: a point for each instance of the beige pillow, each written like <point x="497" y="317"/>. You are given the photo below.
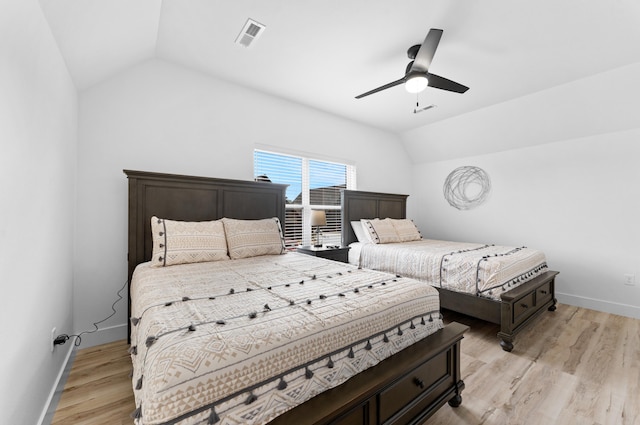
<point x="381" y="231"/>
<point x="181" y="242"/>
<point x="406" y="229"/>
<point x="251" y="238"/>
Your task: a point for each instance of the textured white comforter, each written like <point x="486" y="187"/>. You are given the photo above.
<point x="242" y="341"/>
<point x="482" y="270"/>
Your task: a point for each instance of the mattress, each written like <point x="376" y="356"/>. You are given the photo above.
<point x="477" y="269"/>
<point x="243" y="341"/>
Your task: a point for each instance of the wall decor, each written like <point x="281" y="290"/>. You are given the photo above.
<point x="466" y="187"/>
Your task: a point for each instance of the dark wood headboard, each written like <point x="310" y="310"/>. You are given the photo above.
<point x="358" y="204"/>
<point x="189" y="198"/>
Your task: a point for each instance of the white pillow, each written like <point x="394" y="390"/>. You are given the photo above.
<point x="182" y="242"/>
<point x="361" y="234"/>
<point x="381" y="231"/>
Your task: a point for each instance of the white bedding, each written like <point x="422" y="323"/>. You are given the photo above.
<point x="477" y="269"/>
<point x="242" y="341"/>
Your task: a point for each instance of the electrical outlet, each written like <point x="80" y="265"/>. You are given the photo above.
<point x="630" y="279"/>
<point x="53" y="337"/>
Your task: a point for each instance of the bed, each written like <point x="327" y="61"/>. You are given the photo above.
<point x="510" y="299"/>
<point x="277" y="338"/>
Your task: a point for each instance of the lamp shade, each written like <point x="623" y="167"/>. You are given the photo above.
<point x="416" y="83"/>
<point x="318" y="218"/>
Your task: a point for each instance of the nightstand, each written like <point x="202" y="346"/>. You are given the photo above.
<point x="336" y="254"/>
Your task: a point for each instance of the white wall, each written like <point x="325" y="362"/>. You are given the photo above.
<point x="575" y="196"/>
<point x="38" y="122"/>
<point x="163" y="118"/>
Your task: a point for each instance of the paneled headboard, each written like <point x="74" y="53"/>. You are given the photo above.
<point x="359" y="204"/>
<point x="189" y="198"/>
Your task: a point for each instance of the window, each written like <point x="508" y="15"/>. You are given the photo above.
<point x="313" y="185"/>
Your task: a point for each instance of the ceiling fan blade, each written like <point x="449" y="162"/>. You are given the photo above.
<point x="442" y="83"/>
<point x="423" y="58"/>
<point x="386" y="86"/>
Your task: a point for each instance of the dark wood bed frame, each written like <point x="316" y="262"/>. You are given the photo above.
<point x="517" y="308"/>
<point x="405" y="388"/>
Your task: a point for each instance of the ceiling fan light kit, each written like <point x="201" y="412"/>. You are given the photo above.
<point x="417" y="76"/>
<point x="416" y="83"/>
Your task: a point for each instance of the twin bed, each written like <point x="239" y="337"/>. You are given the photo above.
<point x="227" y="327"/>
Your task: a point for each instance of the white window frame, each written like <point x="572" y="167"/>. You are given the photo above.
<point x="306" y="206"/>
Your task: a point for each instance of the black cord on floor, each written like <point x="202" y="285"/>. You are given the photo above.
<point x="61" y="339"/>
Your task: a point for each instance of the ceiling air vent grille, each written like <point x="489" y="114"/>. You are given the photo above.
<point x="249" y="33"/>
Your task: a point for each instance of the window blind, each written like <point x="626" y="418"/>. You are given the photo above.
<point x="313" y="185"/>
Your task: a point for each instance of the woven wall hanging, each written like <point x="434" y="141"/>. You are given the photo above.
<point x="466" y="187"/>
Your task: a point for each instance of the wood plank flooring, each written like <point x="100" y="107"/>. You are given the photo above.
<point x="574" y="366"/>
<point x="98" y="390"/>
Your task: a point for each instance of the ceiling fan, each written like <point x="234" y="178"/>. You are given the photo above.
<point x="417" y="76"/>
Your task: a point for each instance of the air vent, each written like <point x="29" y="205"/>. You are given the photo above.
<point x="249" y="33"/>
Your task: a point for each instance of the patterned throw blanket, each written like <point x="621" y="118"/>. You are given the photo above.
<point x="482" y="270"/>
<point x="243" y="341"/>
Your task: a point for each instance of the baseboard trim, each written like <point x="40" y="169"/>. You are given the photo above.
<point x="46" y="417"/>
<point x="104" y="336"/>
<point x="600" y="305"/>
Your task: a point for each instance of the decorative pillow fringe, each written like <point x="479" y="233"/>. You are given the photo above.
<point x="400" y="331"/>
<point x="330" y="363"/>
<point x="139" y="383"/>
<point x="151" y="340"/>
<point x="412" y="326"/>
<point x="351" y="355"/>
<point x="135" y="321"/>
<point x="368" y="346"/>
<point x="386" y="338"/>
<point x="133" y="350"/>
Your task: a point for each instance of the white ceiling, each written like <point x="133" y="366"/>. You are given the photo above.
<point x="323" y="53"/>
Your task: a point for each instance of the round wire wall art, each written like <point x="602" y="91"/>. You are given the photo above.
<point x="466" y="187"/>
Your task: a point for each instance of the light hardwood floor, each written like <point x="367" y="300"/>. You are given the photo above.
<point x="574" y="366"/>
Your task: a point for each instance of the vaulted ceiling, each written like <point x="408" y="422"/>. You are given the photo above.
<point x="324" y="53"/>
